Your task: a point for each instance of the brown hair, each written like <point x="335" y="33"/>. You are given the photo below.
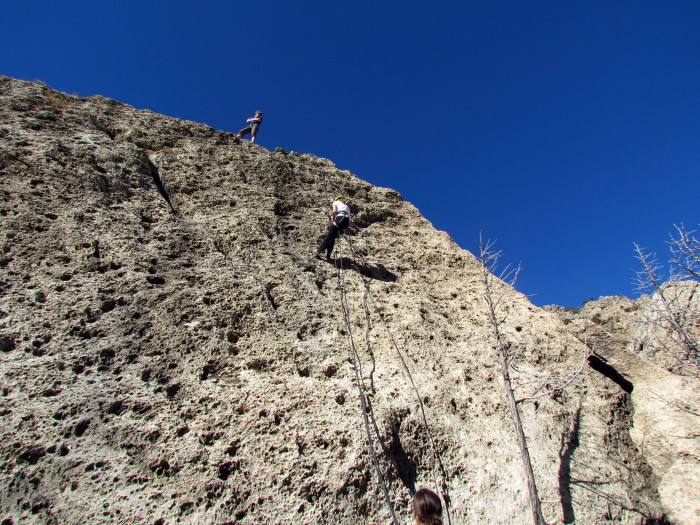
<point x="427" y="507"/>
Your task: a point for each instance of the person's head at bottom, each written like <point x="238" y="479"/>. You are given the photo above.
<point x="427" y="508"/>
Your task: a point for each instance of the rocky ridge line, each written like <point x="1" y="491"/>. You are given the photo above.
<point x="171" y="354"/>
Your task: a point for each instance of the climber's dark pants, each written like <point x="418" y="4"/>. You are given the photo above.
<point x="334" y="230"/>
<point x="252" y="129"/>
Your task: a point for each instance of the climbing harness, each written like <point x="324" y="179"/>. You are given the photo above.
<point x="435" y="459"/>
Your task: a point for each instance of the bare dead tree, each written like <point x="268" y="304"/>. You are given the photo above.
<point x="672" y="312"/>
<point x="489" y="261"/>
<point x="539" y="386"/>
<point x="685" y="250"/>
<point x="550" y="384"/>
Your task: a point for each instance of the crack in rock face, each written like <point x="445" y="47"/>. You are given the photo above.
<point x="631" y="345"/>
<point x="170" y="351"/>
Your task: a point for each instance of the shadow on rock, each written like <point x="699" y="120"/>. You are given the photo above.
<point x="569" y="444"/>
<point x="373" y="271"/>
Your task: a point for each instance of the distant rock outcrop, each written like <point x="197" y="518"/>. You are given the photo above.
<point x="170" y="352"/>
<point x="632" y="344"/>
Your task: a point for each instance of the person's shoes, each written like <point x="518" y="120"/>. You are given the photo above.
<point x="328" y="256"/>
<point x="315" y="253"/>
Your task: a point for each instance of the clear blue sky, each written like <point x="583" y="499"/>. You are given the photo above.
<point x="565" y="130"/>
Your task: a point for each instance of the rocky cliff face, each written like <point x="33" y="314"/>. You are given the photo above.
<point x="635" y="345"/>
<point x="170" y="353"/>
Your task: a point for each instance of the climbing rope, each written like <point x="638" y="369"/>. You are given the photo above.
<point x="356" y="366"/>
<point x="377" y="474"/>
<point x="435" y="459"/>
<point x="326" y="193"/>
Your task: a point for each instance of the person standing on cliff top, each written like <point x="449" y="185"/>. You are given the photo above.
<point x="252" y="127"/>
<point x="340" y="220"/>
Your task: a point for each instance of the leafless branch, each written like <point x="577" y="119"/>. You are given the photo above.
<point x="676" y="404"/>
<point x="649" y="279"/>
<point x="559" y="383"/>
<point x="685" y="250"/>
<point x="489" y="259"/>
<point x="670" y="308"/>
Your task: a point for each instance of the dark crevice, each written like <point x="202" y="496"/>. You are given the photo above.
<point x="569" y="443"/>
<point x="101" y="127"/>
<point x="271" y="299"/>
<point x="405" y="465"/>
<point x="599" y="365"/>
<point x="159" y="184"/>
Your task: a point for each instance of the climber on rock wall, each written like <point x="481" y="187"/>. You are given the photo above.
<point x="252" y="127"/>
<point x="340" y="220"/>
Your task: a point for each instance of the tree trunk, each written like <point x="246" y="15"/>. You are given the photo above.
<point x="537" y="517"/>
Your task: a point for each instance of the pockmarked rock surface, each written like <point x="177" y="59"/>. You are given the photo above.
<point x="170" y="352"/>
<point x="629" y="339"/>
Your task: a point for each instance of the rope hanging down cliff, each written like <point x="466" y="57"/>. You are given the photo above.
<point x="356" y="367"/>
<point x="435" y="458"/>
<point x="361" y="390"/>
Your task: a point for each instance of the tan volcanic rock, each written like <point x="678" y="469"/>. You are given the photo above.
<point x="171" y="354"/>
<point x="628" y="336"/>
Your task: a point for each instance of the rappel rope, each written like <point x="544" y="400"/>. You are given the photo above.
<point x="435" y="460"/>
<point x="363" y="402"/>
<point x="326" y="193"/>
<point x="357" y="369"/>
